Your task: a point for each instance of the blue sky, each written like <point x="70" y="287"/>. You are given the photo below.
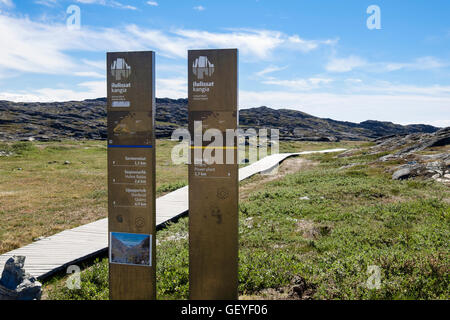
<point x="315" y="56"/>
<point x="130" y="239"/>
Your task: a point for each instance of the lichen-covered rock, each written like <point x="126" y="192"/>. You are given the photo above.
<point x="16" y="284"/>
<point x="401" y="174"/>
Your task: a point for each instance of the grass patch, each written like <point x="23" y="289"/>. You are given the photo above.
<point x="171" y="186"/>
<point x="94" y="284"/>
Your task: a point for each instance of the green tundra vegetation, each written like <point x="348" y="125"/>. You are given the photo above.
<point x="314" y="220"/>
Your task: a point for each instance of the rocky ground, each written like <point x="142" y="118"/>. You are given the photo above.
<point x="16" y="283"/>
<point x="53" y="121"/>
<point x="87" y="120"/>
<point x="418" y="155"/>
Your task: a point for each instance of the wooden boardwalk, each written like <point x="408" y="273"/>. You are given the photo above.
<point x="57" y="252"/>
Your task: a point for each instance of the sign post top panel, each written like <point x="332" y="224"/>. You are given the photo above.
<point x="213" y="79"/>
<point x="130" y="81"/>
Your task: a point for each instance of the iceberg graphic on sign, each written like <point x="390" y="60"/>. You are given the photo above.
<point x="202" y="67"/>
<point x="120" y="69"/>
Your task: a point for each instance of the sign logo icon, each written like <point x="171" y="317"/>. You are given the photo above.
<point x="202" y="66"/>
<point x="222" y="193"/>
<point x="120" y="69"/>
<point x="139" y="222"/>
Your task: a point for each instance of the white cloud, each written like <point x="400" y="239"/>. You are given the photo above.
<point x="440" y="123"/>
<point x="423" y="63"/>
<point x="41" y="48"/>
<point x="33" y="47"/>
<point x="269" y="69"/>
<point x="7" y="3"/>
<point x="171" y="87"/>
<point x="257" y="44"/>
<point x="353" y="62"/>
<point x="48" y="3"/>
<point x="89" y="74"/>
<point x="88" y="90"/>
<point x="317" y="81"/>
<point x="152" y="3"/>
<point x="101" y="64"/>
<point x="353" y="80"/>
<point x="109" y="3"/>
<point x="386" y="87"/>
<point x="199" y="8"/>
<point x="295" y="42"/>
<point x="345" y="64"/>
<point x="300" y="84"/>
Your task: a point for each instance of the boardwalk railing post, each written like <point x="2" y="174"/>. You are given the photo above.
<point x="131" y="175"/>
<point x="213" y="174"/>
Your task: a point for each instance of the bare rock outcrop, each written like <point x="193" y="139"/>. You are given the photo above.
<point x="411" y="143"/>
<point x="417" y="155"/>
<point x="16" y="283"/>
<point x="411" y="148"/>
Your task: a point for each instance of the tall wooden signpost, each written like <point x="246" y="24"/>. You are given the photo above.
<point x="213" y="187"/>
<point x="131" y="175"/>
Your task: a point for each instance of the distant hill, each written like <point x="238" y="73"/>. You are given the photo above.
<point x="87" y="120"/>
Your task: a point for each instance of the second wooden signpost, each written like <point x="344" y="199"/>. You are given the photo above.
<point x="213" y="174"/>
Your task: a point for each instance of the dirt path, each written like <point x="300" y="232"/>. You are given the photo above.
<point x="289" y="166"/>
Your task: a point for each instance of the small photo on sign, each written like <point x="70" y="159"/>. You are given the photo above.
<point x="130" y="249"/>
